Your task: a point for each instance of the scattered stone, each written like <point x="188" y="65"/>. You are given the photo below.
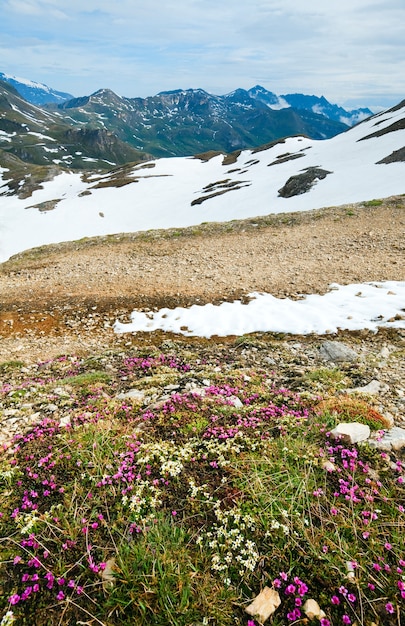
<point x="393" y="439"/>
<point x="236" y="402"/>
<point x="312" y="610"/>
<point x="51" y="408"/>
<point x="62" y="393"/>
<point x="65" y="421"/>
<point x="264" y="604"/>
<point x="351" y="432"/>
<point x="374" y="387"/>
<point x="337" y="352"/>
<point x="350" y="571"/>
<point x="389" y="419"/>
<point x="107" y="574"/>
<point x="134" y="394"/>
<point x="328" y="466"/>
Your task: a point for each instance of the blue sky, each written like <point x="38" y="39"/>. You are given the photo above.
<point x="350" y="51"/>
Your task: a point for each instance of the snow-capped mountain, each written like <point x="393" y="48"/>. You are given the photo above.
<point x="36" y="93"/>
<point x="186" y="122"/>
<point x="293" y="174"/>
<point x="300" y="101"/>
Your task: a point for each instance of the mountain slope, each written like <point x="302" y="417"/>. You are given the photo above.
<point x="35" y="93"/>
<point x="31" y="136"/>
<point x="185" y="122"/>
<point x="293" y="174"/>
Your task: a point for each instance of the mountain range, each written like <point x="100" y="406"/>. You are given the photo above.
<point x="185" y="122"/>
<point x="290" y="174"/>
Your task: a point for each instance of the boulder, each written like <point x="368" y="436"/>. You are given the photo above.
<point x="337" y="352"/>
<point x="374" y="387"/>
<point x="138" y="395"/>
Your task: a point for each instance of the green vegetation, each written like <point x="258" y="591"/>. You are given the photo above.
<point x="371" y="203"/>
<point x="180" y="508"/>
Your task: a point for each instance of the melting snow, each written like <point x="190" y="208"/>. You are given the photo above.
<point x="351" y="307"/>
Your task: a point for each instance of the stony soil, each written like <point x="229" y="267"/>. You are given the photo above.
<point x="63" y="299"/>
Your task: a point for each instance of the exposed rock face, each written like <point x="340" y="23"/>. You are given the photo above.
<point x="395" y="157"/>
<point x="302" y="183"/>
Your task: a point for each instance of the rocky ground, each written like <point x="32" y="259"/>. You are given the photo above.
<point x="64" y="299"/>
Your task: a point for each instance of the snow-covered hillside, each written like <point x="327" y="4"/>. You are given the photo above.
<point x="295" y="174"/>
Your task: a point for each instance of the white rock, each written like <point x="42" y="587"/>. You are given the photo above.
<point x="337" y="352"/>
<point x="264" y="604"/>
<point x="328" y="466"/>
<point x="351" y="432"/>
<point x="312" y="609"/>
<point x="65" y="421"/>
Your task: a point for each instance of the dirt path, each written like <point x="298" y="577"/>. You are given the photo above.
<point x="49" y="296"/>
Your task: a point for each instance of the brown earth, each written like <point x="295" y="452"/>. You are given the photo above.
<point x="65" y="298"/>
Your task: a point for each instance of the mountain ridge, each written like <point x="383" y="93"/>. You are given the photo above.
<point x="185" y="122"/>
<point x="36" y="93"/>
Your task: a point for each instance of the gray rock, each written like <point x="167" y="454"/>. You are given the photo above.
<point x="134" y="394"/>
<point x="337" y="352"/>
<point x="351" y="432"/>
<point x="51" y="408"/>
<point x="393" y="439"/>
<point x="374" y="387"/>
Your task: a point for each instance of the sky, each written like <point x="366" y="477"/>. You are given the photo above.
<point x="351" y="51"/>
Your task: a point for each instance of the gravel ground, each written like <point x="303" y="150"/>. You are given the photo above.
<point x="63" y="299"/>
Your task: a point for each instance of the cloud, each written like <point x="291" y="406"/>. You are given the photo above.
<point x="351" y="49"/>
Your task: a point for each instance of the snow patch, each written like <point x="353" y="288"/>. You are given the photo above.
<point x="351" y="307"/>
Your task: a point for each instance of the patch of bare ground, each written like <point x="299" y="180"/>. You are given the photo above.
<point x="65" y="297"/>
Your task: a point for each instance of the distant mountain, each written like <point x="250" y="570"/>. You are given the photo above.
<point x="186" y="122"/>
<point x="291" y="174"/>
<point x="33" y="139"/>
<point x="315" y="104"/>
<point x="33" y="92"/>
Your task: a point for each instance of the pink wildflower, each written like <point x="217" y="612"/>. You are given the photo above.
<point x="389" y="608"/>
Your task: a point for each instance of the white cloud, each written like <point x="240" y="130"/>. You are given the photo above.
<point x="347" y="50"/>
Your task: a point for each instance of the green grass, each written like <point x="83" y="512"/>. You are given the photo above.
<point x="86" y="379"/>
<point x="371" y="203"/>
<point x="11" y="365"/>
<point x="332" y="378"/>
